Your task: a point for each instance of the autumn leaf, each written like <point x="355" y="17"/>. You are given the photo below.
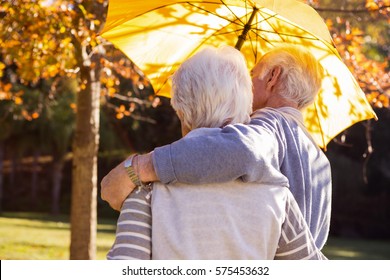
<point x="329" y="23"/>
<point x="111" y="91"/>
<point x="26" y="115"/>
<point x="2" y="66"/>
<point x="121" y="109"/>
<point x="7" y="87"/>
<point x="18" y="100"/>
<point x="110" y="82"/>
<point x="371" y="5"/>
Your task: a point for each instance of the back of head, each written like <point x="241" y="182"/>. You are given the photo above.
<point x="213" y="88"/>
<point x="301" y="73"/>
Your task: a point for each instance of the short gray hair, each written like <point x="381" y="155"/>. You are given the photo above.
<point x="301" y="73"/>
<point x="213" y="88"/>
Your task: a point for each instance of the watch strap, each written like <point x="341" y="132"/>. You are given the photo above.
<point x="131" y="172"/>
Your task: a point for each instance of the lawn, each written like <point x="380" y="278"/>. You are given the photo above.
<point x="32" y="236"/>
<point x="357" y="249"/>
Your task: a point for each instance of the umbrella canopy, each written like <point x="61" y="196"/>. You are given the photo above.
<point x="159" y="35"/>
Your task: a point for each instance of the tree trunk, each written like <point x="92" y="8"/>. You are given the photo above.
<point x="58" y="165"/>
<point x="85" y="148"/>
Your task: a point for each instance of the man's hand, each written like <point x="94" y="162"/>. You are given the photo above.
<point x="116" y="185"/>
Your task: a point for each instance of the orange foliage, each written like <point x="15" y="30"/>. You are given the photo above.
<point x="372" y="76"/>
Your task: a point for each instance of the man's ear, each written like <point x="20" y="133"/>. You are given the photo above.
<point x="273" y="76"/>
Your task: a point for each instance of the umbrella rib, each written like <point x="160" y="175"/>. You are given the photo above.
<point x="315" y="37"/>
<point x="284" y="34"/>
<point x="233" y="12"/>
<point x="280" y="33"/>
<point x="263" y="38"/>
<point x="205" y="39"/>
<point x="214" y="14"/>
<point x="267" y="20"/>
<point x="258" y="35"/>
<point x="227" y="32"/>
<point x="164" y="6"/>
<point x="254" y="45"/>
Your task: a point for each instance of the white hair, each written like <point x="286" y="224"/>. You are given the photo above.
<point x="301" y="73"/>
<point x="213" y="88"/>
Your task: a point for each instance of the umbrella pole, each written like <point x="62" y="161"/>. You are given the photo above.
<point x="247" y="27"/>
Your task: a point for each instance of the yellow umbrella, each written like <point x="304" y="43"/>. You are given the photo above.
<point x="159" y="35"/>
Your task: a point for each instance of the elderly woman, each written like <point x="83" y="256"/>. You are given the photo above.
<point x="233" y="220"/>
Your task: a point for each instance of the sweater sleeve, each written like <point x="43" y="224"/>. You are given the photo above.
<point x="296" y="242"/>
<point x="247" y="152"/>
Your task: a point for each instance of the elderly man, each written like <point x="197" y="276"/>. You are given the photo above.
<point x="285" y="81"/>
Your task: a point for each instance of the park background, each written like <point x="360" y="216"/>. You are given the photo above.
<point x="57" y="74"/>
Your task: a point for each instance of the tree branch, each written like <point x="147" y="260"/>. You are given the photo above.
<point x="369" y="150"/>
<point x="318" y="9"/>
<point x="132" y="99"/>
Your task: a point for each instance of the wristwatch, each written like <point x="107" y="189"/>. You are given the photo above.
<point x="129" y="166"/>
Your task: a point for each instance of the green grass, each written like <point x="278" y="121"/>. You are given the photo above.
<point x="357" y="249"/>
<point x="32" y="236"/>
